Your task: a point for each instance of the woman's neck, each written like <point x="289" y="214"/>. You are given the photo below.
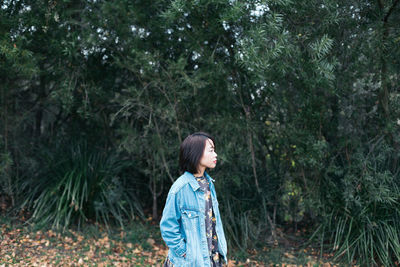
<point x="200" y="172"/>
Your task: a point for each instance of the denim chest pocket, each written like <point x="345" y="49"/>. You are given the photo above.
<point x="190" y="214"/>
<point x="190" y="219"/>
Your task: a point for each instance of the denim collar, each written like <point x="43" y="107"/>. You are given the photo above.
<point x="193" y="182"/>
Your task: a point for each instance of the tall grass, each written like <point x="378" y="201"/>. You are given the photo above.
<point x="242" y="228"/>
<point x="364" y="218"/>
<point x="77" y="185"/>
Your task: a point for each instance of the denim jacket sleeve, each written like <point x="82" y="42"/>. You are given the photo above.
<point x="170" y="227"/>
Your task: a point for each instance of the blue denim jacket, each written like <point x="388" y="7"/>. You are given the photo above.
<point x="182" y="223"/>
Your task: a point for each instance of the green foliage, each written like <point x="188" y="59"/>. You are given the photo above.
<point x="364" y="220"/>
<point x="240" y="227"/>
<point x="295" y="93"/>
<point x="78" y="184"/>
<point x="17" y="61"/>
<point x="292" y="203"/>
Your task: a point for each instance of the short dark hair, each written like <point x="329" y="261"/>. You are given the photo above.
<point x="191" y="151"/>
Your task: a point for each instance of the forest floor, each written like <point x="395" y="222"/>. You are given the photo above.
<point x="137" y="245"/>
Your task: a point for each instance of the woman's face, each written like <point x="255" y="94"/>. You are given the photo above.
<point x="209" y="158"/>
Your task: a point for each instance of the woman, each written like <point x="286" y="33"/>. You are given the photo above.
<point x="191" y="224"/>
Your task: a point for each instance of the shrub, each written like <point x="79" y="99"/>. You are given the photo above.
<point x="364" y="216"/>
<point x="76" y="185"/>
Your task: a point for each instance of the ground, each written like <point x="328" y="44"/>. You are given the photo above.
<point x="139" y="244"/>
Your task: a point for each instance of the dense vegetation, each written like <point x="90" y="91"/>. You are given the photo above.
<point x="302" y="97"/>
